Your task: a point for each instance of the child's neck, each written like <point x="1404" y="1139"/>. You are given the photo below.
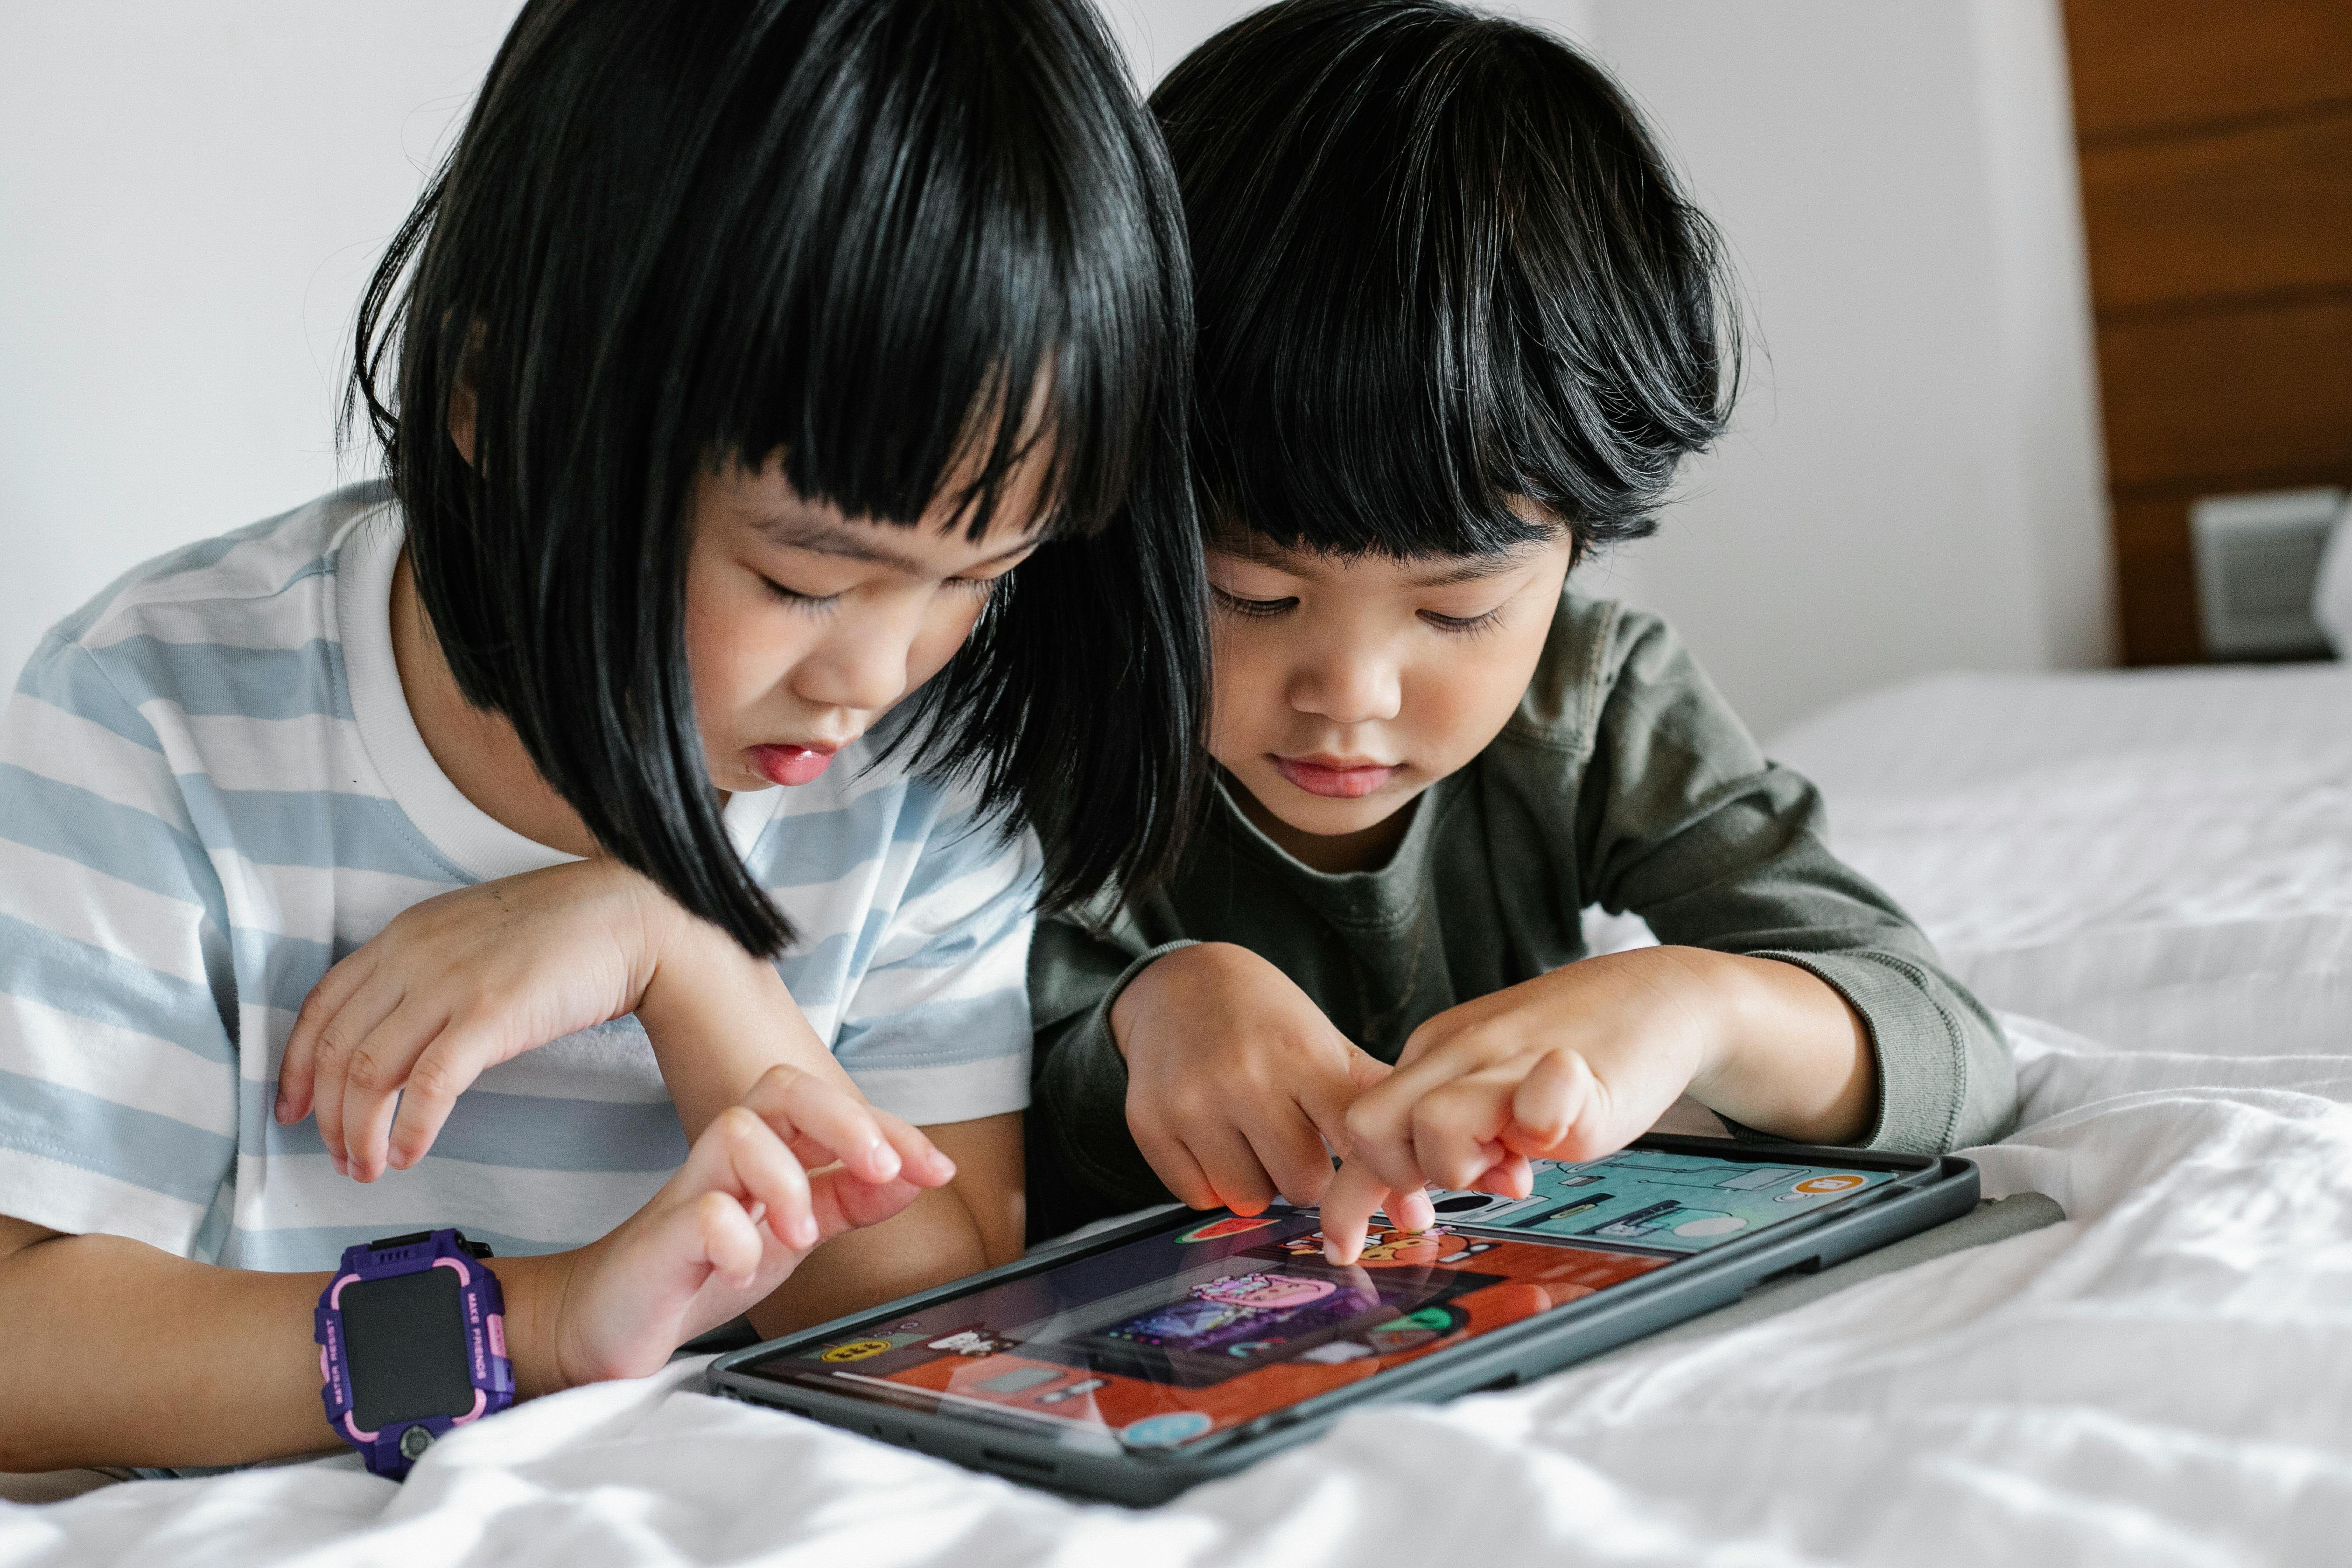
<point x="1333" y="854"/>
<point x="478" y="750"/>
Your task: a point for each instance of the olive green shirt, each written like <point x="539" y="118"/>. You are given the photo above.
<point x="1624" y="780"/>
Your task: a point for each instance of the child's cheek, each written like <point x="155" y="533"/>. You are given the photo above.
<point x="1241" y="712"/>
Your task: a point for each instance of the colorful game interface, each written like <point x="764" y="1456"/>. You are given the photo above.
<point x="1171" y="1338"/>
<point x="1645" y="1198"/>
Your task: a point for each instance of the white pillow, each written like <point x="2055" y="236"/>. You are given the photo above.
<point x="2331" y="596"/>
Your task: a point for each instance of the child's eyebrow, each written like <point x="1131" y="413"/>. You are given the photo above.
<point x="1477" y="569"/>
<point x="826" y="538"/>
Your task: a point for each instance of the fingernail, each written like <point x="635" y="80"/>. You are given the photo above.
<point x="342" y="1166"/>
<point x="278" y="1110"/>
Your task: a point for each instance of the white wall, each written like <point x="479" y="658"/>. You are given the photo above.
<point x="193" y="192"/>
<point x="1155" y="34"/>
<point x="1913" y="482"/>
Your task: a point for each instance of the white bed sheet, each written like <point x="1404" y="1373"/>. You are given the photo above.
<point x="2166" y="1378"/>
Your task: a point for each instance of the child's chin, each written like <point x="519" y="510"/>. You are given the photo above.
<point x="1331" y="816"/>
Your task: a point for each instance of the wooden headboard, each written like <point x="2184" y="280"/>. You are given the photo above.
<point x="2216" y="146"/>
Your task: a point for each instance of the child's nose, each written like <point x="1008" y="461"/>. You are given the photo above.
<point x="862" y="666"/>
<point x="1349" y="687"/>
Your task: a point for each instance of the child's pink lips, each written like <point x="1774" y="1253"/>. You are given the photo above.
<point x="790" y="765"/>
<point x="1340" y="778"/>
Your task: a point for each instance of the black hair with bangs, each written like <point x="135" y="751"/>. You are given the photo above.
<point x="864" y="235"/>
<point x="1439" y="263"/>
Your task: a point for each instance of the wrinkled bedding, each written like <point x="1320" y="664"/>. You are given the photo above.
<point x="2150" y="874"/>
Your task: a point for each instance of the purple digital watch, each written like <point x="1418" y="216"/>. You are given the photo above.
<point x="412" y="1340"/>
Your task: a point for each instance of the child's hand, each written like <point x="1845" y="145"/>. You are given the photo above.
<point x="462" y="982"/>
<point x="1236" y="1081"/>
<point x="1572" y="1065"/>
<point x="734" y="1223"/>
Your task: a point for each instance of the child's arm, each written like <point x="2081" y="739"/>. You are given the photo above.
<point x="462" y="982"/>
<point x="973" y="1223"/>
<point x="472" y="978"/>
<point x="1575" y="1064"/>
<point x="718" y="1019"/>
<point x="122" y="1354"/>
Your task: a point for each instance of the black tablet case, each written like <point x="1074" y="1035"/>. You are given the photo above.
<point x="1931" y="1193"/>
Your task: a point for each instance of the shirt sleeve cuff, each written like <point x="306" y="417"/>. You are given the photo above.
<point x="1103" y="1155"/>
<point x="1919" y="1047"/>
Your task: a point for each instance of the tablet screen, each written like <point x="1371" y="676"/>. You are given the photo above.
<point x="1171" y="1338"/>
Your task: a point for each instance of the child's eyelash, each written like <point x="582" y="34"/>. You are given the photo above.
<point x="825" y="603"/>
<point x="1463" y="626"/>
<point x="812" y="604"/>
<point x="1253" y="609"/>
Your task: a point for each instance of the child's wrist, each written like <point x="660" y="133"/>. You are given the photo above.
<point x="535" y="1289"/>
<point x="1708" y="991"/>
<point x="1141" y="995"/>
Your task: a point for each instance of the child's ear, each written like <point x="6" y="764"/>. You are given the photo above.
<point x="462" y="401"/>
<point x="461" y="418"/>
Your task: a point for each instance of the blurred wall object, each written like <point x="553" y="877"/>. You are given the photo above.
<point x="2216" y="146"/>
<point x="2258" y="564"/>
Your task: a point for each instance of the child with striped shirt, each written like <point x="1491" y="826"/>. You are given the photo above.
<point x="785" y="566"/>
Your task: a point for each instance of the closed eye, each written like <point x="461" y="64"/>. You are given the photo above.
<point x="1252" y="609"/>
<point x="1463" y="626"/>
<point x="814" y="604"/>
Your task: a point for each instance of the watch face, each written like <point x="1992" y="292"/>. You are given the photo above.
<point x="405" y="1339"/>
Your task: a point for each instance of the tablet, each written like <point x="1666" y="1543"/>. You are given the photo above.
<point x="1131" y="1364"/>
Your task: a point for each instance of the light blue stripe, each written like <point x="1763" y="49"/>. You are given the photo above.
<point x="212" y="1234"/>
<point x="196" y="557"/>
<point x="65" y="677"/>
<point x="318" y="566"/>
<point x="821" y="974"/>
<point x="322" y="829"/>
<point x="938" y="1034"/>
<point x="536" y="1135"/>
<point x="205" y="554"/>
<point x="518" y="1131"/>
<point x="222" y="681"/>
<point x="317" y="1248"/>
<point x="274" y="969"/>
<point x="826" y="845"/>
<point x="83" y="982"/>
<point x="119" y="841"/>
<point x="135" y="1146"/>
<point x="958" y="849"/>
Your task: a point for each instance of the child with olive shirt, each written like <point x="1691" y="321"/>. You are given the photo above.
<point x="1458" y="326"/>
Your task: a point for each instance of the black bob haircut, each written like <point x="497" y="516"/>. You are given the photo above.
<point x="851" y="233"/>
<point x="1439" y="263"/>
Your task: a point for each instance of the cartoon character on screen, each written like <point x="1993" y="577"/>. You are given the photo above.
<point x="1384" y="1249"/>
<point x="1265" y="1292"/>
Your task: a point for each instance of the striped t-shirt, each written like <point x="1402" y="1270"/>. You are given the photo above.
<point x="210" y="788"/>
